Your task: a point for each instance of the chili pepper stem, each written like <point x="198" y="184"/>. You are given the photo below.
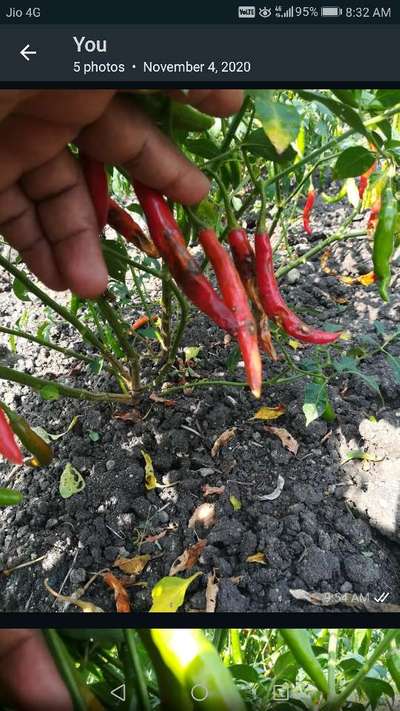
<point x="231" y="219"/>
<point x="109" y="314"/>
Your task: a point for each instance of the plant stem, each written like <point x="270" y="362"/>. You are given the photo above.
<point x="85" y="332"/>
<point x="318" y="248"/>
<point x="236" y="651"/>
<point x="117" y="326"/>
<point x="65" y="667"/>
<point x="138" y="675"/>
<point x="234" y="125"/>
<point x="47" y="344"/>
<point x="16" y="376"/>
<point x="332" y="649"/>
<point x="166" y="309"/>
<point x="337" y="703"/>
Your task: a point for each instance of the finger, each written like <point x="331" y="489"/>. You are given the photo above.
<point x="72" y="107"/>
<point x="125" y="136"/>
<point x="20" y="226"/>
<point x="69" y="223"/>
<point x="216" y="102"/>
<point x="28" y="674"/>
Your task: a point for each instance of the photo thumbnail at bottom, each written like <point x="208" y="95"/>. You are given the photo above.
<point x="200" y="382"/>
<point x="195" y="670"/>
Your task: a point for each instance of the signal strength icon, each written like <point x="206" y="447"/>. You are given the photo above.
<point x="289" y="12"/>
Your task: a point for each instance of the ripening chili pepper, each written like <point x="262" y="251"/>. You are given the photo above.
<point x="384" y="241"/>
<point x="309" y="204"/>
<point x="121" y="221"/>
<point x="10" y="497"/>
<point x="245" y="263"/>
<point x="374" y="214"/>
<point x="235" y="298"/>
<point x="273" y="302"/>
<point x="141" y="321"/>
<point x="96" y="179"/>
<point x="8" y="446"/>
<point x="298" y="641"/>
<point x="169" y="240"/>
<point x="393" y="663"/>
<point x="362" y="185"/>
<point x="35" y="444"/>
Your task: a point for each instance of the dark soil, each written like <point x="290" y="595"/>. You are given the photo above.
<point x="318" y="535"/>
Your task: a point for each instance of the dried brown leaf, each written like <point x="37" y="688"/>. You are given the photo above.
<point x="83" y="604"/>
<point x="204" y="515"/>
<point x="257" y="558"/>
<point x="286" y="438"/>
<point x="162" y="400"/>
<point x="211" y="592"/>
<point x="132" y="415"/>
<point x="210" y="490"/>
<point x="188" y="558"/>
<point x="122" y="603"/>
<point x="132" y="566"/>
<point x="222" y="440"/>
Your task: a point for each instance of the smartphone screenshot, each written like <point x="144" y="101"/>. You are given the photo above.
<point x="200" y="355"/>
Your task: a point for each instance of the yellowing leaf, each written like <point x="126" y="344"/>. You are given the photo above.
<point x="257" y="558"/>
<point x="294" y="344"/>
<point x="286" y="438"/>
<point x="222" y="440"/>
<point x="132" y="566"/>
<point x="71" y="482"/>
<point x="269" y="413"/>
<point x="236" y="504"/>
<point x="191" y="352"/>
<point x="367" y="279"/>
<point x="169" y="593"/>
<point x="150" y="480"/>
<point x="345" y="336"/>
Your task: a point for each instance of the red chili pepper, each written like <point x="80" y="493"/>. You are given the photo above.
<point x="169" y="240"/>
<point x="374" y="214"/>
<point x="96" y="179"/>
<point x="307" y="210"/>
<point x="8" y="446"/>
<point x="235" y="297"/>
<point x="245" y="262"/>
<point x="362" y="185"/>
<point x="273" y="302"/>
<point x="121" y="221"/>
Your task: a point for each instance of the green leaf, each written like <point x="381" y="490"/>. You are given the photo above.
<point x="71" y="482"/>
<point x="203" y="147"/>
<point x="345" y="113"/>
<point x="394" y="363"/>
<point x="94" y="436"/>
<point x="207" y="211"/>
<point x="236" y="504"/>
<point x="233" y="359"/>
<point x="75" y="304"/>
<point x="286" y="668"/>
<point x="244" y="672"/>
<point x="388" y="97"/>
<point x="375" y="688"/>
<point x="281" y="122"/>
<point x="315" y="401"/>
<point x="169" y="593"/>
<point x="20" y="290"/>
<point x="43" y="330"/>
<point x="49" y="392"/>
<point x="258" y="144"/>
<point x="346" y="96"/>
<point x="354" y="454"/>
<point x="353" y="161"/>
<point x="117" y="268"/>
<point x="349" y="365"/>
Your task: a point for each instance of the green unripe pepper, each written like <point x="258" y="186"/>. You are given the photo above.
<point x="298" y="641"/>
<point x="384" y="241"/>
<point x="41" y="451"/>
<point x="10" y="497"/>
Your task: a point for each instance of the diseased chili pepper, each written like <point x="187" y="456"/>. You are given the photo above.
<point x="96" y="179"/>
<point x="384" y="241"/>
<point x="8" y="446"/>
<point x="273" y="302"/>
<point x="121" y="221"/>
<point x="374" y="214"/>
<point x="307" y="211"/>
<point x="35" y="444"/>
<point x="235" y="298"/>
<point x="245" y="262"/>
<point x="298" y="641"/>
<point x="170" y="242"/>
<point x="363" y="182"/>
<point x="10" y="497"/>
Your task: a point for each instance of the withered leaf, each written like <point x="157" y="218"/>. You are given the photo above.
<point x="132" y="566"/>
<point x="211" y="592"/>
<point x="188" y="558"/>
<point x="150" y="480"/>
<point x="222" y="440"/>
<point x="204" y="515"/>
<point x="286" y="438"/>
<point x="162" y="400"/>
<point x="132" y="415"/>
<point x="257" y="558"/>
<point x="269" y="413"/>
<point x="83" y="604"/>
<point x="210" y="490"/>
<point x="122" y="603"/>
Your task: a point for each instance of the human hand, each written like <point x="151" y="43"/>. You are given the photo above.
<point x="45" y="208"/>
<point x="29" y="680"/>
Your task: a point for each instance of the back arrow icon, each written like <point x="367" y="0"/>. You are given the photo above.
<point x="26" y="52"/>
<point x="122" y="692"/>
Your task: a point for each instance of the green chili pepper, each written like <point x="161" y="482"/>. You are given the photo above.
<point x="183" y="116"/>
<point x="393" y="663"/>
<point x="384" y="241"/>
<point x="41" y="451"/>
<point x="298" y="641"/>
<point x="330" y="199"/>
<point x="10" y="497"/>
